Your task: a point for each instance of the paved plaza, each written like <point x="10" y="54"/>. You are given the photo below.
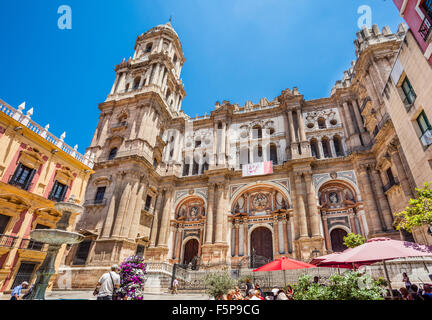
<point x="88" y="295"/>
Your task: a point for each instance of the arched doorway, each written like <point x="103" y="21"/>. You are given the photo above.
<point x="337" y="240"/>
<point x="261" y="247"/>
<point x="190" y="251"/>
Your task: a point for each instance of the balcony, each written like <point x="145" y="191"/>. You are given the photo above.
<point x="119" y="126"/>
<point x="7" y="241"/>
<point x="29" y="244"/>
<point x="95" y="202"/>
<point x="426" y="26"/>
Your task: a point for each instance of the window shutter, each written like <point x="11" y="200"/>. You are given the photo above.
<point x="17" y="171"/>
<point x="63" y="195"/>
<point x="29" y="179"/>
<point x="51" y="195"/>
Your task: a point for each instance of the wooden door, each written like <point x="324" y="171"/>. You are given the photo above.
<point x="190" y="251"/>
<point x="261" y="246"/>
<point x="337" y="240"/>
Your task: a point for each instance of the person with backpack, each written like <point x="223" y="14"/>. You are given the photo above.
<point x="107" y="285"/>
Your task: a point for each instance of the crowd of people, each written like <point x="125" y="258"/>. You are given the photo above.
<point x="412" y="292"/>
<point x="254" y="292"/>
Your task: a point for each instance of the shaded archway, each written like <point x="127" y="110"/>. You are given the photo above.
<point x="337" y="239"/>
<point x="261" y="247"/>
<point x="190" y="251"/>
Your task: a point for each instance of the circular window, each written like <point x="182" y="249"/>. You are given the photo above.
<point x="333" y="122"/>
<point x="310" y="125"/>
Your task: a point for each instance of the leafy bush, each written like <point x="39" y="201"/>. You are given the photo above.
<point x="219" y="283"/>
<point x="352" y="240"/>
<point x="418" y="212"/>
<point x="349" y="286"/>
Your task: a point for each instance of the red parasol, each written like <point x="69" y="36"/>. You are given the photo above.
<point x="285" y="263"/>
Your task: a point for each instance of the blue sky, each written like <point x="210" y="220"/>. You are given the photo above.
<point x="236" y="50"/>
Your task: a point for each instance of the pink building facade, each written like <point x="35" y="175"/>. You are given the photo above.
<point x="418" y="16"/>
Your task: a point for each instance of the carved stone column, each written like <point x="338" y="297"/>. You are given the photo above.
<point x="137" y="212"/>
<point x="403" y="177"/>
<point x="372" y="214"/>
<point x="236" y="228"/>
<point x="382" y="200"/>
<point x="276" y="235"/>
<point x="220" y="215"/>
<point x="157" y="212"/>
<point x="121" y="211"/>
<point x="326" y="233"/>
<point x="166" y="213"/>
<point x="209" y="219"/>
<point x="312" y="204"/>
<point x="301" y="211"/>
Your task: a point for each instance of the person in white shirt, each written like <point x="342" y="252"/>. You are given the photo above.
<point x="108" y="283"/>
<point x="256" y="295"/>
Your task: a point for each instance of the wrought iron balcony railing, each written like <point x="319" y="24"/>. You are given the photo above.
<point x="7" y="241"/>
<point x="95" y="202"/>
<point x="426" y="26"/>
<point x="29" y="244"/>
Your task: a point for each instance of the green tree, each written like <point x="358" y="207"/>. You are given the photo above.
<point x="352" y="240"/>
<point x="219" y="283"/>
<point x="418" y="212"/>
<point x="352" y="285"/>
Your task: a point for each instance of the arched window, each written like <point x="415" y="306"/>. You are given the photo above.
<point x="257" y="132"/>
<point x="149" y="47"/>
<point x="220" y="125"/>
<point x="136" y="83"/>
<point x="205" y="163"/>
<point x="315" y="149"/>
<point x="155" y="163"/>
<point x="112" y="154"/>
<point x="195" y="168"/>
<point x="260" y="153"/>
<point x="322" y="123"/>
<point x="171" y="154"/>
<point x="175" y="59"/>
<point x="326" y="147"/>
<point x="186" y="167"/>
<point x="168" y="94"/>
<point x="273" y="154"/>
<point x="338" y="146"/>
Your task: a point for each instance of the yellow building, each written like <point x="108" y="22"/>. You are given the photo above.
<point x="37" y="169"/>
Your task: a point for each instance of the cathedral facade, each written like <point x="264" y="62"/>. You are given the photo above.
<point x="242" y="185"/>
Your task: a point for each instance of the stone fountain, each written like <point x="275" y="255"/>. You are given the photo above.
<point x="55" y="238"/>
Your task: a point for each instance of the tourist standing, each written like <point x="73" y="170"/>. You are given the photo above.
<point x="257" y="288"/>
<point x="175" y="286"/>
<point x="248" y="286"/>
<point x="406" y="280"/>
<point x="108" y="283"/>
<point x="16" y="292"/>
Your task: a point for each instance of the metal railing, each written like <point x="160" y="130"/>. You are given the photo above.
<point x="33" y="126"/>
<point x="95" y="202"/>
<point x="7" y="241"/>
<point x="426" y="26"/>
<point x="29" y="244"/>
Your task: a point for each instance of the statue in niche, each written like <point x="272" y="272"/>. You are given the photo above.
<point x="284" y="204"/>
<point x="333" y="197"/>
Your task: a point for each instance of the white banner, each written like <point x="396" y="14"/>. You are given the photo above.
<point x="258" y="169"/>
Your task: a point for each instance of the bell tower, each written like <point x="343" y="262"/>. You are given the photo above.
<point x="156" y="65"/>
<point x="123" y="194"/>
